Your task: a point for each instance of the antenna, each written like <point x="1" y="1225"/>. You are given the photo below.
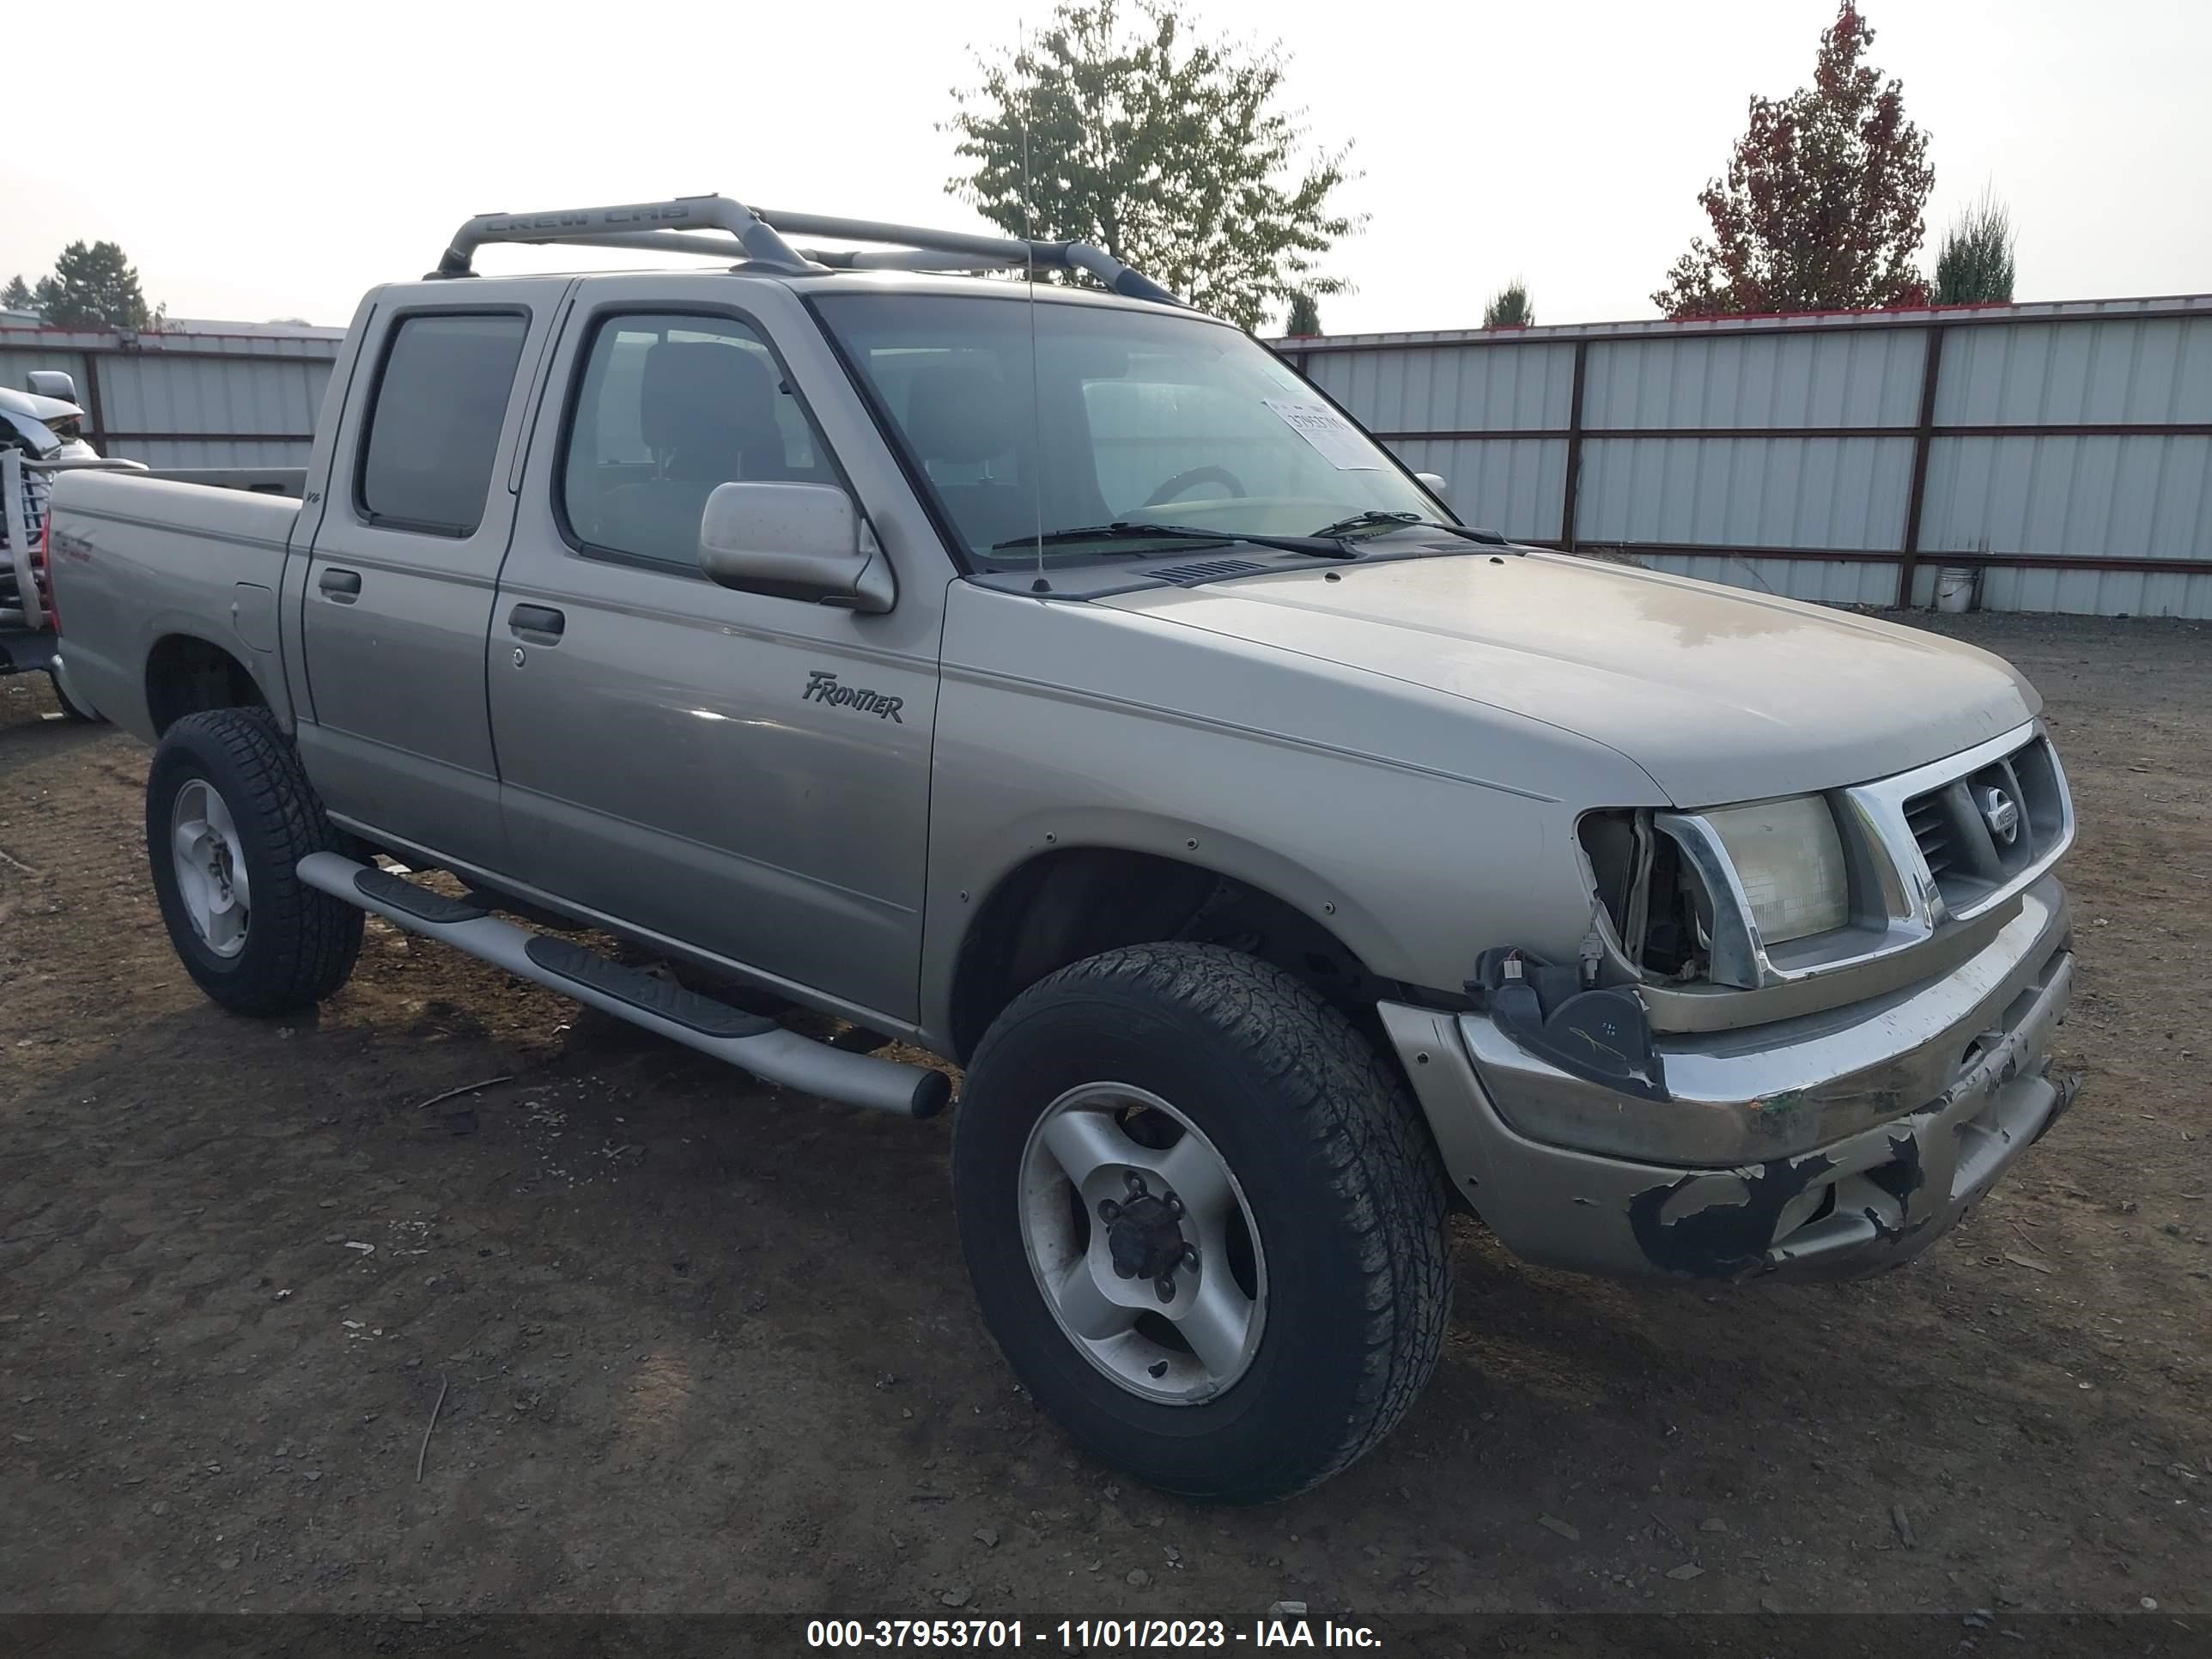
<point x="1029" y="236"/>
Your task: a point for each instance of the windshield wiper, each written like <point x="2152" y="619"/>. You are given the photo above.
<point x="1376" y="520"/>
<point x="1325" y="545"/>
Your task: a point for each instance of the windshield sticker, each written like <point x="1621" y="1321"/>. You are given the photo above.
<point x="1328" y="433"/>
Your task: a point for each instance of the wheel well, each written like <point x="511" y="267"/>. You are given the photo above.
<point x="1074" y="902"/>
<point x="185" y="675"/>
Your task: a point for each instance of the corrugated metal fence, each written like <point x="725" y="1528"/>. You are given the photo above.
<point x="193" y="394"/>
<point x="2063" y="452"/>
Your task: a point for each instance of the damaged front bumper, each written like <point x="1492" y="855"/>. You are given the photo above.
<point x="1828" y="1146"/>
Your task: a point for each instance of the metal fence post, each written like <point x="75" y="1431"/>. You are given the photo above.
<point x="1923" y="438"/>
<point x="1570" y="491"/>
<point x="93" y="410"/>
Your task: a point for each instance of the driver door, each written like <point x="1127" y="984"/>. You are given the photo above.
<point x="695" y="762"/>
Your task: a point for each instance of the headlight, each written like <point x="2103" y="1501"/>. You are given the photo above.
<point x="1790" y="860"/>
<point x="1670" y="883"/>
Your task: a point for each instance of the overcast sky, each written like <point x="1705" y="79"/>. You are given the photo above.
<point x="262" y="161"/>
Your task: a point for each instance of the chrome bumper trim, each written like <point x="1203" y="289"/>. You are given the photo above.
<point x="1762" y="1091"/>
<point x="1857" y="1202"/>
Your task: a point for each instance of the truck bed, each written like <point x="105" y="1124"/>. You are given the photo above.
<point x="138" y="561"/>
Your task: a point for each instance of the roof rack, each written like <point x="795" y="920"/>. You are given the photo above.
<point x="718" y="227"/>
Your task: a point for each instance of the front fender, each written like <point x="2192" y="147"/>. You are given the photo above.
<point x="1417" y="827"/>
<point x="970" y="873"/>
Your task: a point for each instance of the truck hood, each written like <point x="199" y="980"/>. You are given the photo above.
<point x="1720" y="694"/>
<point x="36" y="407"/>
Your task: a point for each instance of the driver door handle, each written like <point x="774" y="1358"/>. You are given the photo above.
<point x="343" y="586"/>
<point x="538" y="623"/>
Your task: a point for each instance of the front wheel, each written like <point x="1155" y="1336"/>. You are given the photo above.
<point x="229" y="815"/>
<point x="1203" y="1218"/>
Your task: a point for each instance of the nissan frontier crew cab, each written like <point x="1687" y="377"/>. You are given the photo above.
<point x="1045" y="674"/>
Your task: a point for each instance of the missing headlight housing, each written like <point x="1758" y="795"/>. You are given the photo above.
<point x="1661" y="914"/>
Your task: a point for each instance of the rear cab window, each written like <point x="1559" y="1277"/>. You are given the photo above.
<point x="435" y="419"/>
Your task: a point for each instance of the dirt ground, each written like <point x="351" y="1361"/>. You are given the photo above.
<point x="706" y="1345"/>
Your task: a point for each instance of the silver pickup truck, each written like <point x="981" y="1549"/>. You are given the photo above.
<point x="1045" y="675"/>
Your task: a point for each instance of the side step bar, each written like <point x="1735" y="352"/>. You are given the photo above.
<point x="757" y="1045"/>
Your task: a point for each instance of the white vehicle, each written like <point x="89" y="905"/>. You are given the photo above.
<point x="41" y="434"/>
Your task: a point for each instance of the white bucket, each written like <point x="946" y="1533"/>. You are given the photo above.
<point x="1954" y="589"/>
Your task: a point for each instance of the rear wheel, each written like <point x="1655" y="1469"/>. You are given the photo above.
<point x="1203" y="1218"/>
<point x="229" y="815"/>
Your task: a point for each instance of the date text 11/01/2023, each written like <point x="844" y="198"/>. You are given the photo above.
<point x="1087" y="1634"/>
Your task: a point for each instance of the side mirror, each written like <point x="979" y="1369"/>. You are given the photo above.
<point x="794" y="541"/>
<point x="1435" y="485"/>
<point x="50" y="383"/>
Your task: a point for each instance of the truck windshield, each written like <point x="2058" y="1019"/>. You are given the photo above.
<point x="1119" y="417"/>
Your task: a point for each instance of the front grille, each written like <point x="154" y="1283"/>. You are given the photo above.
<point x="1960" y="827"/>
<point x="1931" y="832"/>
<point x="36" y="486"/>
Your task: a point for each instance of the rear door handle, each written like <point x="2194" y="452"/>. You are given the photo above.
<point x="541" y="623"/>
<point x="343" y="586"/>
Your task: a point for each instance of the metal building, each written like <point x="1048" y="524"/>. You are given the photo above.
<point x="192" y="394"/>
<point x="2056" y="457"/>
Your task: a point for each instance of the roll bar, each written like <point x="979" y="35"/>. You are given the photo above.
<point x="718" y="227"/>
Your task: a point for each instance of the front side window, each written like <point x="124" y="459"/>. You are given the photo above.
<point x="1134" y="416"/>
<point x="433" y="428"/>
<point x="670" y="407"/>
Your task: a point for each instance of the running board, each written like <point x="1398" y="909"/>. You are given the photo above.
<point x="759" y="1046"/>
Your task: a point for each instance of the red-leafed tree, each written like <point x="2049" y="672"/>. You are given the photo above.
<point x="1822" y="207"/>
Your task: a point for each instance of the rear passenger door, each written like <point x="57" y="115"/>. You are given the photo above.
<point x="663" y="763"/>
<point x="399" y="593"/>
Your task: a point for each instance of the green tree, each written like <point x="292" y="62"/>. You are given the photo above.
<point x="1976" y="264"/>
<point x="1304" y="316"/>
<point x="1172" y="153"/>
<point x="93" y="287"/>
<point x="16" y="296"/>
<point x="1821" y="209"/>
<point x="1509" y="308"/>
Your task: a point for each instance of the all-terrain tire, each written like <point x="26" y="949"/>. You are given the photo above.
<point x="300" y="944"/>
<point x="1344" y="1187"/>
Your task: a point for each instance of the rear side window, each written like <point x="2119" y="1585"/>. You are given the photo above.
<point x="434" y="427"/>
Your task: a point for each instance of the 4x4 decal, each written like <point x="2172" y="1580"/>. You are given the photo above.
<point x="821" y="686"/>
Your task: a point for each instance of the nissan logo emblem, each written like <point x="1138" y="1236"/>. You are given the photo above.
<point x="2001" y="813"/>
